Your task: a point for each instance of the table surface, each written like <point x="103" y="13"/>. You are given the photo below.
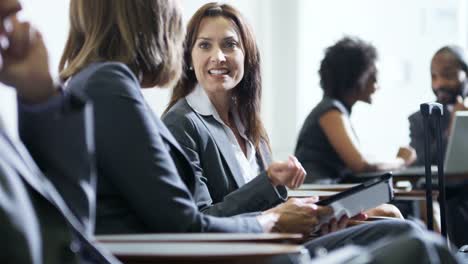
<point x="197" y="250"/>
<point x="308" y="193"/>
<point x="414" y="174"/>
<point x="325" y="187"/>
<point x="324" y="191"/>
<point x="202" y="237"/>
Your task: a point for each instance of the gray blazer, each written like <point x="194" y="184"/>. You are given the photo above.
<point x="221" y="188"/>
<point x="145" y="182"/>
<point x="36" y="224"/>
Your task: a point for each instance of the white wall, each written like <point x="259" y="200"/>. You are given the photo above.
<point x="405" y="33"/>
<point x="252" y="10"/>
<point x="52" y="22"/>
<point x="292" y="36"/>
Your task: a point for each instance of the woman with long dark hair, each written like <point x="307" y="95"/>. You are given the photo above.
<point x="214" y="113"/>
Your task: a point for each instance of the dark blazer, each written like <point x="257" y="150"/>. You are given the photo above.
<point x="36" y="224"/>
<point x="64" y="151"/>
<point x="221" y="188"/>
<point x="140" y="188"/>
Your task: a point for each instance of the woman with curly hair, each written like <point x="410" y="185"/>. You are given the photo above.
<point x="327" y="146"/>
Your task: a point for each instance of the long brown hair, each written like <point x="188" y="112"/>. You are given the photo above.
<point x="146" y="35"/>
<point x="248" y="92"/>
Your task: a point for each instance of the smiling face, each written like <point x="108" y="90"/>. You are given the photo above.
<point x="447" y="78"/>
<point x="218" y="55"/>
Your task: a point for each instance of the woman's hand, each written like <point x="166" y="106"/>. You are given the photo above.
<point x="288" y="173"/>
<point x="297" y="215"/>
<point x="25" y="63"/>
<point x="385" y="210"/>
<point x="303" y="216"/>
<point x="335" y="225"/>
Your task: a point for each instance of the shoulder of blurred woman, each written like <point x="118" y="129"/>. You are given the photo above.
<point x="180" y="115"/>
<point x="326" y="104"/>
<point x="179" y="111"/>
<point x="104" y="78"/>
<point x="329" y="103"/>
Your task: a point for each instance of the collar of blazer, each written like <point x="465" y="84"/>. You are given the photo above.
<point x="12" y="153"/>
<point x="199" y="101"/>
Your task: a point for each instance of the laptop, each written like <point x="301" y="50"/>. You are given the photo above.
<point x="456" y="155"/>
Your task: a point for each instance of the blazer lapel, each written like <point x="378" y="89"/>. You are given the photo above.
<point x="17" y="155"/>
<point x="220" y="138"/>
<point x="222" y="141"/>
<point x="10" y="154"/>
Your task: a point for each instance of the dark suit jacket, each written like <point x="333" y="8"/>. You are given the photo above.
<point x="221" y="188"/>
<point x="64" y="151"/>
<point x="140" y="188"/>
<point x="417" y="135"/>
<point x="35" y="222"/>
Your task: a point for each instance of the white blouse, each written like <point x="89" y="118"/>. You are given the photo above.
<point x="199" y="101"/>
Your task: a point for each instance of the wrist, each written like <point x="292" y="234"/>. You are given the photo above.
<point x="271" y="178"/>
<point x="37" y="93"/>
<point x="267" y="220"/>
<point x="400" y="161"/>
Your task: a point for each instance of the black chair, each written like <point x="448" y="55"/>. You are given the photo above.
<point x="434" y="111"/>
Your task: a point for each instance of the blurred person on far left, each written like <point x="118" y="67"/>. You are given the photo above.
<point x="36" y="223"/>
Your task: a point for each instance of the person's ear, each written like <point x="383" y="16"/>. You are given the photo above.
<point x="462" y="76"/>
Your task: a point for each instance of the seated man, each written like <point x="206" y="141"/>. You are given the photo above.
<point x="449" y="71"/>
<point x="36" y="224"/>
